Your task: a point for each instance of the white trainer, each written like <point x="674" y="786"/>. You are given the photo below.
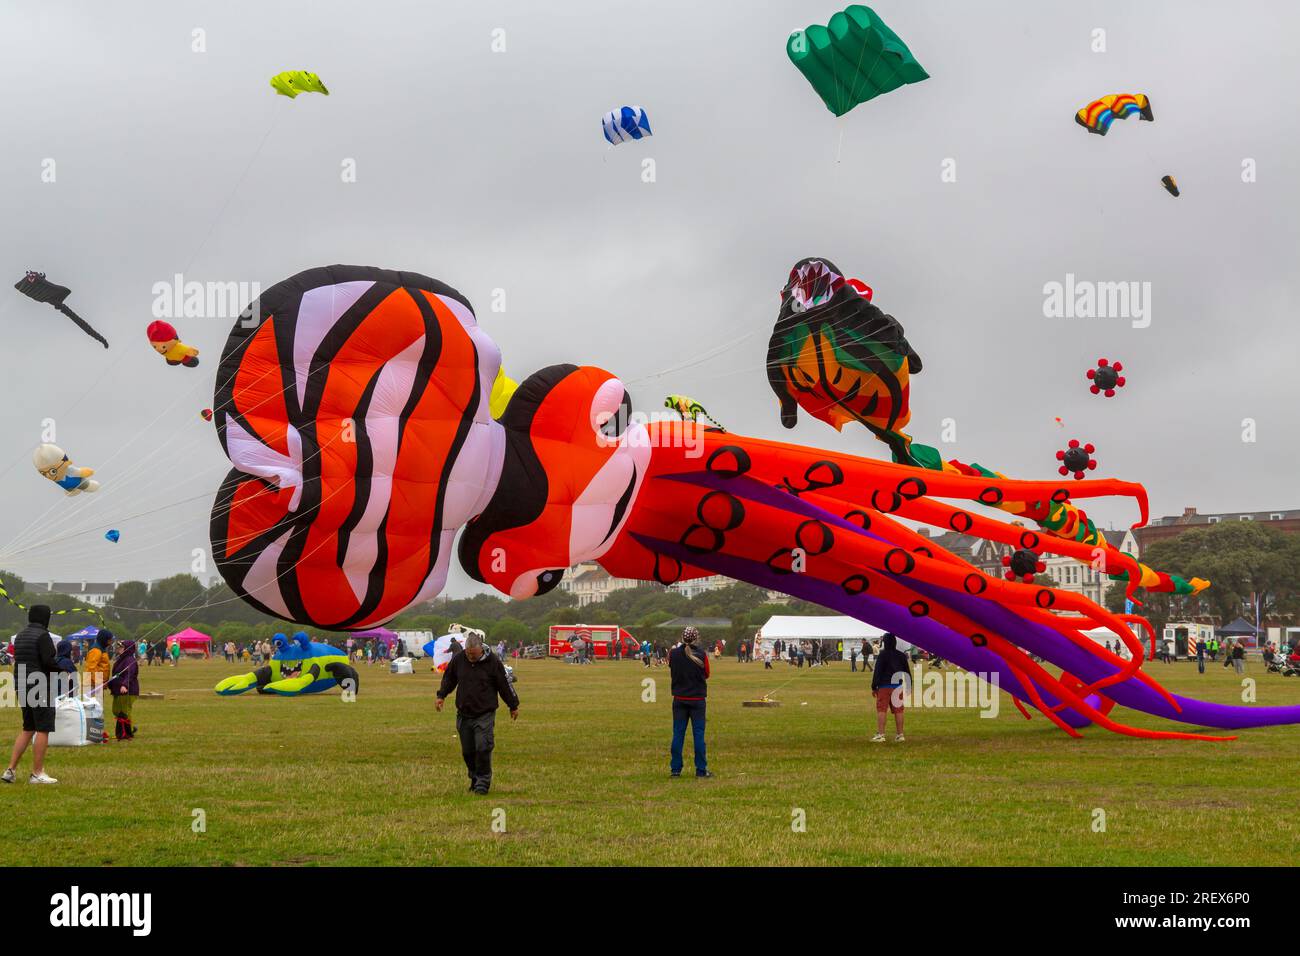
<point x="878" y="739"/>
<point x="898" y="739"/>
<point x="8" y="776"/>
<point x="41" y="777"/>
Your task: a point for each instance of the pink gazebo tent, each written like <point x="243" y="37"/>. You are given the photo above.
<point x="192" y="641"/>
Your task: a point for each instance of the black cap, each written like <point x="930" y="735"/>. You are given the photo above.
<point x="39" y="614"/>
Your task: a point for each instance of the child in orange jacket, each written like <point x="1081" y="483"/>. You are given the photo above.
<point x="98" y="664"/>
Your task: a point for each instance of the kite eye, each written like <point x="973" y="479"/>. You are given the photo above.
<point x="616" y="424"/>
<point x="611" y="409"/>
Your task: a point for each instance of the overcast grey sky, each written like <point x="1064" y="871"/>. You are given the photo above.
<point x="487" y="170"/>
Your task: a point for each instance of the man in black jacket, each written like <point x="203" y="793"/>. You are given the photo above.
<point x="477" y="676"/>
<point x="34" y="669"/>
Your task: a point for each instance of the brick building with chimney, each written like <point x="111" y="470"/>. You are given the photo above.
<point x="1161" y="529"/>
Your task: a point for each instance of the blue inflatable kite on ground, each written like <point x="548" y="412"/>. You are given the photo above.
<point x="627" y="123"/>
<point x="298" y="666"/>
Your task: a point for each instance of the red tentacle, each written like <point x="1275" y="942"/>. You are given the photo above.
<point x="862" y="476"/>
<point x="940" y="514"/>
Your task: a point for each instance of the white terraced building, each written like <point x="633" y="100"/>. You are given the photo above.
<point x="94" y="593"/>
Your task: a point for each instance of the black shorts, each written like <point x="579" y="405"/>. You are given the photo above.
<point x="38" y="719"/>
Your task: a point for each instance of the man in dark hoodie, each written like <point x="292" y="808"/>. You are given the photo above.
<point x="888" y="684"/>
<point x="689" y="668"/>
<point x="477" y="676"/>
<point x="124" y="685"/>
<point x="34" y="669"/>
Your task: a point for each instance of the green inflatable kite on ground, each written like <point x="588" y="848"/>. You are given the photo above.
<point x="852" y="59"/>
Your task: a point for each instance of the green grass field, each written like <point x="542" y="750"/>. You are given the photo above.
<point x="582" y="778"/>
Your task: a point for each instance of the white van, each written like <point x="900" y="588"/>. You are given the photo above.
<point x="415" y="641"/>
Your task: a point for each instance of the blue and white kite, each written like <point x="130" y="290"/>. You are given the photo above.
<point x="625" y="124"/>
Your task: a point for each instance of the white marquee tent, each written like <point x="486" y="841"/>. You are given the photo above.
<point x="835" y="628"/>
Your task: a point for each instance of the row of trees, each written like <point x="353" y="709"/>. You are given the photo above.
<point x="172" y="604"/>
<point x="1241" y="559"/>
<point x="1244" y="562"/>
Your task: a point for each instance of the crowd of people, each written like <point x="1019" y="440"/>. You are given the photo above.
<point x="861" y="654"/>
<point x="48" y="671"/>
<point x="1285" y="661"/>
<point x="371" y="651"/>
<point x="478" y="676"/>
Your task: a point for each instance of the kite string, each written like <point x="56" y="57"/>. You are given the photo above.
<point x="338" y="491"/>
<point x="72" y="514"/>
<point x="709" y="354"/>
<point x="110" y="490"/>
<point x="12" y="546"/>
<point x="275" y="119"/>
<point x="130" y="473"/>
<point x="192" y="603"/>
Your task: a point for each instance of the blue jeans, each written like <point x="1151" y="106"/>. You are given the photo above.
<point x="684" y="710"/>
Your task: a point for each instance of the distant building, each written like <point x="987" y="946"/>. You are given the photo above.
<point x="1069" y="574"/>
<point x="96" y="594"/>
<point x="984" y="554"/>
<point x="592" y="584"/>
<point x="1162" y="529"/>
<point x="697" y="586"/>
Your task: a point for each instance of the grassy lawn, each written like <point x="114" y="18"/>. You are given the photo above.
<point x="582" y="778"/>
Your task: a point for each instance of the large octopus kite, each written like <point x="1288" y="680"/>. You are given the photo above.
<point x="356" y="415"/>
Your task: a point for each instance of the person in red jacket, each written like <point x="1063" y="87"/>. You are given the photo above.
<point x="690" y="674"/>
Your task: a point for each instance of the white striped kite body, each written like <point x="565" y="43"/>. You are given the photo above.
<point x="624" y="124"/>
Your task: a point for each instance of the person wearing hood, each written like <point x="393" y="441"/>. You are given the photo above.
<point x="889" y="682"/>
<point x="124" y="685"/>
<point x="67" y="668"/>
<point x="689" y="668"/>
<point x="98" y="663"/>
<point x="34" y="670"/>
<point x="477" y="676"/>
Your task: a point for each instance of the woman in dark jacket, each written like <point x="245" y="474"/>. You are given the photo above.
<point x="124" y="685"/>
<point x="887" y="684"/>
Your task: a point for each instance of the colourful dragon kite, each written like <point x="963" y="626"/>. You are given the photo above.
<point x="842" y="360"/>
